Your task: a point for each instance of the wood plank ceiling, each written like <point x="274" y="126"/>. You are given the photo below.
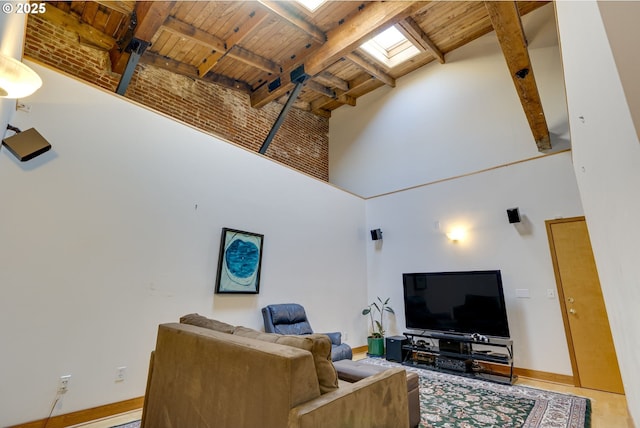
<point x="253" y="46"/>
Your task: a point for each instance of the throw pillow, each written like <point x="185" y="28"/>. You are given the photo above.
<point x="318" y="344"/>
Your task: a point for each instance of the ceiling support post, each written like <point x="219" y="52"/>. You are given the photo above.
<point x="298" y="76"/>
<point x="137" y="48"/>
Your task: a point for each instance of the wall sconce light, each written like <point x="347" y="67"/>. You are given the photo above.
<point x="457" y="234"/>
<point x="16" y="79"/>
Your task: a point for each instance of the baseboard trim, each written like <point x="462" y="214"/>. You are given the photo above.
<point x="360" y="349"/>
<point x="546" y="376"/>
<point x="83" y="416"/>
<point x="87" y="415"/>
<point x="534" y="374"/>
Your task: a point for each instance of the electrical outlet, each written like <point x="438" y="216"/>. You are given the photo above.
<point x="551" y="293"/>
<point x="121" y="373"/>
<point x="23" y="107"/>
<point x="63" y="384"/>
<point x="345" y="336"/>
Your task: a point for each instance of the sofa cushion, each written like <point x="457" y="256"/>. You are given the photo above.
<point x="318" y="344"/>
<point x="201" y="321"/>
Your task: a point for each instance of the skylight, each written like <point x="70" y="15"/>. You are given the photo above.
<point x="312" y="5"/>
<point x="390" y="47"/>
<point x="390" y="38"/>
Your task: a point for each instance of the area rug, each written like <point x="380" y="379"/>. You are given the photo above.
<point x="448" y="401"/>
<point x="134" y="424"/>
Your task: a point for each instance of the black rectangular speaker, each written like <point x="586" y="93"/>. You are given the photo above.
<point x="394" y="348"/>
<point x="514" y="215"/>
<point x="27" y="144"/>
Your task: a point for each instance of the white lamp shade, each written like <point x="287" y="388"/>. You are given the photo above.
<point x="16" y="79"/>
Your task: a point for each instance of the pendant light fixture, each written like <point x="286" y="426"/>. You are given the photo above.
<point x="16" y="79"/>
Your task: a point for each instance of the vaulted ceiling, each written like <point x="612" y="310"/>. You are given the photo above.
<point x="281" y="51"/>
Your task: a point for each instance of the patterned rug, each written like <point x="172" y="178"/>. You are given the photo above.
<point x="134" y="424"/>
<point x="450" y="401"/>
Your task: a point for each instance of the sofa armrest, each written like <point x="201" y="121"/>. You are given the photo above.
<point x="378" y="401"/>
<point x="336" y="337"/>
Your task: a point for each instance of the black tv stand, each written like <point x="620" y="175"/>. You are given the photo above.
<point x="461" y="355"/>
<point x="451" y="336"/>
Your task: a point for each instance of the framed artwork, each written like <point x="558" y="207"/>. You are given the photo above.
<point x="239" y="262"/>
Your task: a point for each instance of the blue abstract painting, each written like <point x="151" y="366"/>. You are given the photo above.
<point x="239" y="262"/>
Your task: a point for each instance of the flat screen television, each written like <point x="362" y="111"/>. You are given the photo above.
<point x="456" y="302"/>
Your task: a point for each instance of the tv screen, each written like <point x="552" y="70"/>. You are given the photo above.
<point x="456" y="302"/>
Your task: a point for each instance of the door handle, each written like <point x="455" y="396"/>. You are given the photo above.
<point x="570" y="300"/>
<point x="572" y="311"/>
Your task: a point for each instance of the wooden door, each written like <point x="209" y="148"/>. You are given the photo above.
<point x="593" y="356"/>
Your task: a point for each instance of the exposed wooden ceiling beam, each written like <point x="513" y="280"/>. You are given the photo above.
<point x="508" y="27"/>
<point x="362" y="80"/>
<point x="124" y="7"/>
<point x="338" y="95"/>
<point x="279" y="9"/>
<point x="370" y="21"/>
<point x="321" y="112"/>
<point x="320" y="88"/>
<point x="412" y="31"/>
<point x="150" y="17"/>
<point x="332" y="80"/>
<point x="191" y="71"/>
<point x="371" y="68"/>
<point x="188" y="31"/>
<point x="240" y="33"/>
<point x="169" y="64"/>
<point x="345" y="98"/>
<point x="87" y="34"/>
<point x="319" y="104"/>
<point x="340" y="98"/>
<point x="249" y="58"/>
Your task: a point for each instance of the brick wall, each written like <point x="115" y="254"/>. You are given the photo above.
<point x="301" y="143"/>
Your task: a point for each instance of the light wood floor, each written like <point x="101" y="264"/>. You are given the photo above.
<point x="607" y="410"/>
<point x="113" y="421"/>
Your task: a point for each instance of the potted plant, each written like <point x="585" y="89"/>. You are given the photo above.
<point x="375" y="341"/>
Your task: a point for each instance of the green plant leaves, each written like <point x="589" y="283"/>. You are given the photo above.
<point x="377" y="329"/>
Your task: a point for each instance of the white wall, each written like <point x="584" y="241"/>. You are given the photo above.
<point x="607" y="164"/>
<point x="12" y="26"/>
<point x="453" y="119"/>
<point x="117" y="229"/>
<point x="448" y="119"/>
<point x="620" y="25"/>
<point x="543" y="189"/>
